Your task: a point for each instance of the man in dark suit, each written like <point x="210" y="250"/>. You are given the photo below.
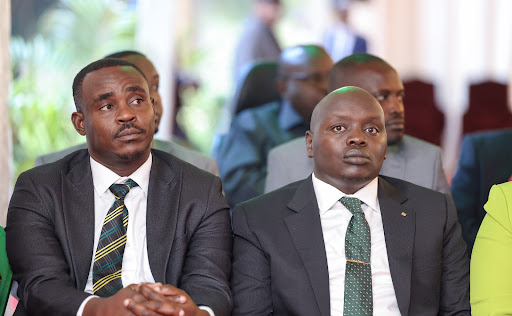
<point x="485" y="160"/>
<point x="171" y="218"/>
<point x="296" y="247"/>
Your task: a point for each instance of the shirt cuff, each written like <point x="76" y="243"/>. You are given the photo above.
<point x="82" y="306"/>
<point x="205" y="308"/>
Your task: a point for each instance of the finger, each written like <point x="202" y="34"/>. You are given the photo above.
<point x="139" y="309"/>
<point x="163" y="308"/>
<point x="151" y="294"/>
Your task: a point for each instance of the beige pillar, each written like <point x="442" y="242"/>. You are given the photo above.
<point x="5" y="139"/>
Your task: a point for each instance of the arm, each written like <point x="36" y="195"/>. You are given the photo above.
<point x="35" y="254"/>
<point x="252" y="293"/>
<point x="465" y="191"/>
<point x="207" y="265"/>
<point x="454" y="298"/>
<point x="491" y="286"/>
<point x="440" y="182"/>
<point x="242" y="165"/>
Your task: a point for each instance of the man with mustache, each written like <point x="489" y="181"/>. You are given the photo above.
<point x="407" y="158"/>
<point x="347" y="241"/>
<point x="119" y="228"/>
<point x="147" y="67"/>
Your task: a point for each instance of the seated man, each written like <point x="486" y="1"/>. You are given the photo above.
<point x="407" y="158"/>
<point x="346" y="241"/>
<point x="242" y="153"/>
<point x="144" y="64"/>
<point x="485" y="160"/>
<point x="118" y="214"/>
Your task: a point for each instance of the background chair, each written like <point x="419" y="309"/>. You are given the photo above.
<point x="5" y="274"/>
<point x="423" y="118"/>
<point x="256" y="86"/>
<point x="488" y="107"/>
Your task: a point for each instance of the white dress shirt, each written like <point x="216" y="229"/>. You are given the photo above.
<point x="136" y="267"/>
<point x="335" y="218"/>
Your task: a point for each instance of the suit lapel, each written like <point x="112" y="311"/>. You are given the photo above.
<point x="306" y="232"/>
<point x="399" y="230"/>
<point x="78" y="215"/>
<point x="161" y="216"/>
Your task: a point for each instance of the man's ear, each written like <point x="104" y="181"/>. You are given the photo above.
<point x="309" y="143"/>
<point x="77" y="118"/>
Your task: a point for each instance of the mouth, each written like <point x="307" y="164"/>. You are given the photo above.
<point x="395" y="125"/>
<point x="356" y="157"/>
<point x="129" y="134"/>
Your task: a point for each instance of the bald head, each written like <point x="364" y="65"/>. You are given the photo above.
<point x="347" y="140"/>
<point x="381" y="80"/>
<point x="302" y="77"/>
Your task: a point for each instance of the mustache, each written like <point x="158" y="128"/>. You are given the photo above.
<point x="129" y="125"/>
<point x="396" y="115"/>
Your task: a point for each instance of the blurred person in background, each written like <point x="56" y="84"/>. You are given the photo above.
<point x="341" y="40"/>
<point x="257" y="41"/>
<point x="242" y="153"/>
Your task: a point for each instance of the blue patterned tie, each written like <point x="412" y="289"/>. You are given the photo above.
<point x="358" y="273"/>
<point x="108" y="259"/>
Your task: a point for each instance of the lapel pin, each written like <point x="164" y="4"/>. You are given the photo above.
<point x="404" y="214"/>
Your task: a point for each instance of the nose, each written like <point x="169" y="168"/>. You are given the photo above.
<point x="125" y="113"/>
<point x="356" y="138"/>
<point x="396" y="105"/>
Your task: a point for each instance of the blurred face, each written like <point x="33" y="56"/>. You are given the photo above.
<point x="347" y="140"/>
<point x="305" y="85"/>
<point x="153" y="82"/>
<point x="268" y="12"/>
<point x="384" y="83"/>
<point x="118" y="118"/>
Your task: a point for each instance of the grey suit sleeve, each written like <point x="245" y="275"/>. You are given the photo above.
<point x="454" y="298"/>
<point x="252" y="294"/>
<point x="36" y="256"/>
<point x="276" y="171"/>
<point x="207" y="267"/>
<point x="441" y="184"/>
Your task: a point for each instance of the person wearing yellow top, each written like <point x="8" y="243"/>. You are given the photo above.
<point x="491" y="269"/>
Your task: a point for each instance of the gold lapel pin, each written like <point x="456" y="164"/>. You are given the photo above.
<point x="404" y="214"/>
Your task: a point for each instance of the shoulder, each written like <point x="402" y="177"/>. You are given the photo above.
<point x="165" y="162"/>
<point x="271" y="205"/>
<point x="418" y="194"/>
<point x="295" y="145"/>
<point x="54" y="156"/>
<point x="413" y="143"/>
<point x="499" y="204"/>
<point x="258" y="113"/>
<point x="489" y="137"/>
<point x="197" y="159"/>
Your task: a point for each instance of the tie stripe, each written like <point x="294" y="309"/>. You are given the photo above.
<point x="108" y="259"/>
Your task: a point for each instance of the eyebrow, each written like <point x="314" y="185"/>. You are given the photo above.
<point x="103" y="96"/>
<point x="135" y="89"/>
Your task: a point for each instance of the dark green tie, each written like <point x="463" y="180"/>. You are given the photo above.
<point x="358" y="273"/>
<point x="108" y="259"/>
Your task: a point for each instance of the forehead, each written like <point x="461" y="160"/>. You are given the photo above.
<point x="352" y="105"/>
<point x="109" y="77"/>
<point x="375" y="77"/>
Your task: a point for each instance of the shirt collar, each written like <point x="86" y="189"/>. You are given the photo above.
<point x="327" y="195"/>
<point x="103" y="177"/>
<point x="289" y="118"/>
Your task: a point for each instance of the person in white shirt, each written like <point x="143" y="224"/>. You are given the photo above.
<point x="119" y="228"/>
<point x="399" y="245"/>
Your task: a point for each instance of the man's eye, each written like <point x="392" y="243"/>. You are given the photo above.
<point x="154" y="87"/>
<point x="372" y="130"/>
<point x="338" y="128"/>
<point x="380" y="97"/>
<point x="106" y="107"/>
<point x="137" y="101"/>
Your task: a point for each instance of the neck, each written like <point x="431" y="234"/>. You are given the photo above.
<point x="345" y="184"/>
<point x="124" y="167"/>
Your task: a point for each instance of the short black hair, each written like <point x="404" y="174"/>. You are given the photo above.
<point x="99" y="64"/>
<point x="125" y="53"/>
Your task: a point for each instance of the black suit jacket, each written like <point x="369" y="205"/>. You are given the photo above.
<point x="485" y="160"/>
<point x="280" y="264"/>
<point x="50" y="233"/>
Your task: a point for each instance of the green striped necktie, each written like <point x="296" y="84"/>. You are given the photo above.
<point x="358" y="272"/>
<point x="108" y="260"/>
